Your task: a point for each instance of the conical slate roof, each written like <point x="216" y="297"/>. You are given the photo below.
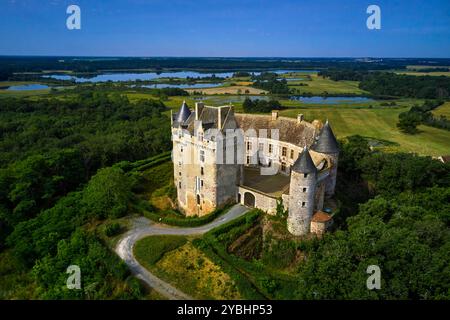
<point x="183" y="114"/>
<point x="304" y="163"/>
<point x="327" y="141"/>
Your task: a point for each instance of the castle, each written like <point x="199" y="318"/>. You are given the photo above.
<point x="259" y="161"/>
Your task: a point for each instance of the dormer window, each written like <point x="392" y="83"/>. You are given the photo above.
<point x="200" y="136"/>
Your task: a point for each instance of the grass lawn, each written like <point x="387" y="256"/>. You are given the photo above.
<point x="319" y="85"/>
<point x="378" y="123"/>
<point x="443" y="110"/>
<point x="177" y="261"/>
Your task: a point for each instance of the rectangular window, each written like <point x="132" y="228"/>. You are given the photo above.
<point x="283" y="166"/>
<point x="201" y="183"/>
<point x="304" y="189"/>
<point x="202" y="156"/>
<point x="305" y="175"/>
<point x="292" y="153"/>
<point x="248" y="160"/>
<point x="202" y="172"/>
<point x="270" y="148"/>
<point x="179" y="184"/>
<point x="303" y="204"/>
<point x="200" y="136"/>
<point x="249" y="145"/>
<point x="284" y="151"/>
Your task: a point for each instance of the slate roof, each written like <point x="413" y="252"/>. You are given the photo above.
<point x="326" y="142"/>
<point x="304" y="163"/>
<point x="290" y="130"/>
<point x="183" y="114"/>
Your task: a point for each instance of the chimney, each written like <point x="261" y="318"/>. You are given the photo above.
<point x="198" y="109"/>
<point x="274" y="115"/>
<point x="219" y="120"/>
<point x="299" y="117"/>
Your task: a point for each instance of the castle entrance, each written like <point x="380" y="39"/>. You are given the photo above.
<point x="249" y="199"/>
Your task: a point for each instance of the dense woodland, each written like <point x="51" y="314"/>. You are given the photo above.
<point x="386" y="84"/>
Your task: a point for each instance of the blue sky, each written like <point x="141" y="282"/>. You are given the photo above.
<point x="256" y="28"/>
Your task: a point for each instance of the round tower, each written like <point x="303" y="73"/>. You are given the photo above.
<point x="302" y="189"/>
<point x="328" y="145"/>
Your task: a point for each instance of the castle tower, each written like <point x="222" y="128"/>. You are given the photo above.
<point x="302" y="189"/>
<point x="328" y="145"/>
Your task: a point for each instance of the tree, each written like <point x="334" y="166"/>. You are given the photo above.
<point x="108" y="193"/>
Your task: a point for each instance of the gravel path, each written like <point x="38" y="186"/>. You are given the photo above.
<point x="143" y="227"/>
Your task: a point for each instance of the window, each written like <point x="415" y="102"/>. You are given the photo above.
<point x="179" y="173"/>
<point x="305" y="175"/>
<point x="270" y="148"/>
<point x="283" y="166"/>
<point x="292" y="153"/>
<point x="180" y="133"/>
<point x="201" y="183"/>
<point x="261" y="146"/>
<point x="303" y="204"/>
<point x="202" y="171"/>
<point x="179" y="184"/>
<point x="248" y="160"/>
<point x="200" y="136"/>
<point x="202" y="156"/>
<point x="249" y="145"/>
<point x="284" y="151"/>
<point x="181" y="149"/>
<point x="198" y="199"/>
<point x="304" y="189"/>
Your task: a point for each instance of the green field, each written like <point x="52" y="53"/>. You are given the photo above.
<point x="379" y="124"/>
<point x="443" y="110"/>
<point x="319" y="85"/>
<point x="178" y="262"/>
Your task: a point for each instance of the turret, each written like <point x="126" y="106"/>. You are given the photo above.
<point x="183" y="114"/>
<point x="302" y="189"/>
<point x="328" y="145"/>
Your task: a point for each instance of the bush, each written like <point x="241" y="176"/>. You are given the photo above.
<point x="113" y="229"/>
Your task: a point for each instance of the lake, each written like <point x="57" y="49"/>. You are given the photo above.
<point x="118" y="77"/>
<point x="330" y="100"/>
<point x="27" y="87"/>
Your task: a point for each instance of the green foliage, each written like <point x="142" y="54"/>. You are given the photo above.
<point x="174" y="218"/>
<point x="113" y="229"/>
<point x="260" y="106"/>
<point x="151" y="249"/>
<point x="392" y="173"/>
<point x="108" y="193"/>
<point x="101" y="270"/>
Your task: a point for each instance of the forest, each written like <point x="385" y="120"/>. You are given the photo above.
<point x="388" y="84"/>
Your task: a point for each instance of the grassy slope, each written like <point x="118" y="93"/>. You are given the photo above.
<point x="443" y="110"/>
<point x="184" y="266"/>
<point x="318" y="85"/>
<point x="379" y="124"/>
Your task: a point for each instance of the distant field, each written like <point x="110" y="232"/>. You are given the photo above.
<point x="443" y="110"/>
<point x="318" y="85"/>
<point x="379" y="124"/>
<point x="228" y="90"/>
<point x="433" y="73"/>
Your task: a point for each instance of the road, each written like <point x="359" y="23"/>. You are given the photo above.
<point x="143" y="227"/>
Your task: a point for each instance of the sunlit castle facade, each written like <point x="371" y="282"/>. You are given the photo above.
<point x="224" y="157"/>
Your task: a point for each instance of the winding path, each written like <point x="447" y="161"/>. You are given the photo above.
<point x="144" y="227"/>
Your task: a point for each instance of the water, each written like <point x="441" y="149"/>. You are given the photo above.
<point x="330" y="100"/>
<point x="182" y="86"/>
<point x="28" y="87"/>
<point x="120" y="77"/>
